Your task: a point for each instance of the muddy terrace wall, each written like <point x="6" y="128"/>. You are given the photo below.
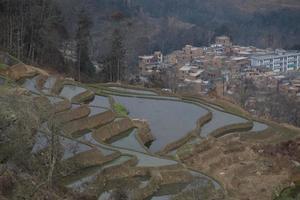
<point x="144" y="135"/>
<point x="62" y="106"/>
<point x="70" y="115"/>
<point x="232" y="128"/>
<point x="83" y="97"/>
<point x="87" y="159"/>
<point x="125" y="171"/>
<point x="262" y="135"/>
<point x="107" y="132"/>
<point x="106" y="86"/>
<point x="192" y="134"/>
<point x="201" y="122"/>
<point x="80" y="126"/>
<point x="147" y="191"/>
<point x="157" y="177"/>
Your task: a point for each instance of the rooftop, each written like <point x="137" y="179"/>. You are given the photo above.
<point x="237" y="58"/>
<point x="200" y="71"/>
<point x="146" y="57"/>
<point x="276" y="55"/>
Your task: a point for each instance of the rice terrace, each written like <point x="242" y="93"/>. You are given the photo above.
<point x="155" y="144"/>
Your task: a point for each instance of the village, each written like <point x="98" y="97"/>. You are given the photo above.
<point x="225" y="69"/>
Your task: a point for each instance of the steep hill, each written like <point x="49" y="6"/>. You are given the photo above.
<point x="168" y="25"/>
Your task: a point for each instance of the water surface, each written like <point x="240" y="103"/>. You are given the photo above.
<point x="144" y="160"/>
<point x="70" y="91"/>
<point x="96" y="110"/>
<point x="130" y="142"/>
<point x="257" y="126"/>
<point x="100" y="101"/>
<point x="30" y="84"/>
<point x="2" y="81"/>
<point x="169" y="120"/>
<point x="92" y="175"/>
<point x="220" y="119"/>
<point x="49" y="84"/>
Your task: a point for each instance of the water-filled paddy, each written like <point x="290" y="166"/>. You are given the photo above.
<point x="71" y="147"/>
<point x="30" y="84"/>
<point x="2" y="81"/>
<point x="70" y="91"/>
<point x="257" y="126"/>
<point x="144" y="160"/>
<point x="49" y="84"/>
<point x="169" y="120"/>
<point x="220" y="119"/>
<point x="96" y="110"/>
<point x="100" y="101"/>
<point x="130" y="142"/>
<point x="91" y="174"/>
<point x="199" y="183"/>
<point x="88" y="138"/>
<point x="41" y="142"/>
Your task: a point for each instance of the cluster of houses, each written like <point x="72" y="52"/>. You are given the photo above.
<point x="212" y="67"/>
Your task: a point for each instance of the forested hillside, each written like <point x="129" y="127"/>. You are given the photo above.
<point x="39" y="31"/>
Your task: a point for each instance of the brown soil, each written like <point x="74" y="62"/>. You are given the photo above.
<point x="70" y="115"/>
<point x="81" y="125"/>
<point x="113" y="129"/>
<point x="242" y="167"/>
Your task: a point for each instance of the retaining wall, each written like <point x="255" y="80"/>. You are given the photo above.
<point x="147" y="191"/>
<point x="172" y="177"/>
<point x="77" y="127"/>
<point x="83" y="97"/>
<point x="70" y="115"/>
<point x="175" y="145"/>
<point x="107" y="132"/>
<point x="232" y="128"/>
<point x="143" y="131"/>
<point x="86" y="159"/>
<point x="62" y="106"/>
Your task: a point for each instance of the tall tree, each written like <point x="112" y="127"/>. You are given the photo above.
<point x="115" y="68"/>
<point x="83" y="39"/>
<point x="32" y="30"/>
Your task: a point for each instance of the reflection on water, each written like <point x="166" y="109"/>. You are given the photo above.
<point x="30" y="84"/>
<point x="168" y="120"/>
<point x="100" y="101"/>
<point x="219" y="120"/>
<point x="144" y="160"/>
<point x="70" y="91"/>
<point x="257" y="126"/>
<point x="130" y="142"/>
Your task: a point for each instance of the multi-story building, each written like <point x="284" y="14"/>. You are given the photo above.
<point x="223" y="40"/>
<point x="187" y="54"/>
<point x="151" y="63"/>
<point x="278" y="61"/>
<point x="189" y="72"/>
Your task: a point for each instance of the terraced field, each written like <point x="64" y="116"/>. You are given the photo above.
<point x="106" y="149"/>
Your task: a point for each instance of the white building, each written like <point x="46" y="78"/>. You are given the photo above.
<point x="279" y="61"/>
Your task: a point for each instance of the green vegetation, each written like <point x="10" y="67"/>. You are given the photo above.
<point x="3" y="66"/>
<point x="120" y="109"/>
<point x="290" y="193"/>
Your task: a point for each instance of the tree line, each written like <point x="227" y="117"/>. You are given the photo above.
<point x="35" y="32"/>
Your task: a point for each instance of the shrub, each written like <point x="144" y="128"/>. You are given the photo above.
<point x="3" y="66"/>
<point x="120" y="109"/>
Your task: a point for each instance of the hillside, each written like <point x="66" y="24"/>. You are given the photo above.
<point x="147" y="26"/>
<point x="114" y="141"/>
